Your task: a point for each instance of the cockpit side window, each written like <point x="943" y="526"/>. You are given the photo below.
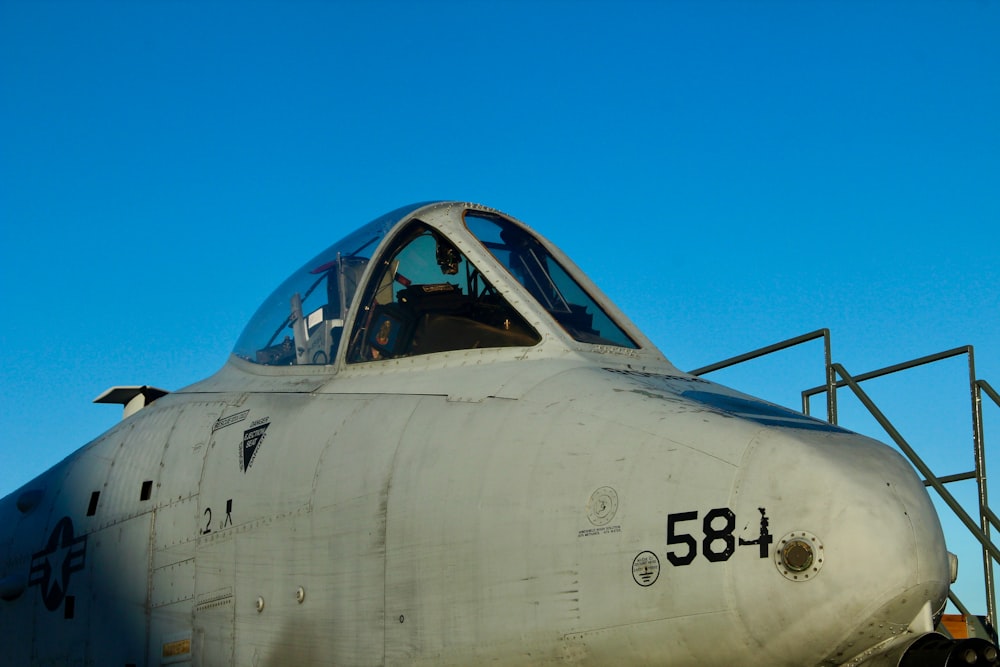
<point x="302" y="321"/>
<point x="535" y="268"/>
<point x="427" y="297"/>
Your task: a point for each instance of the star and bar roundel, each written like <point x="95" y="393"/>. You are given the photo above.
<point x="52" y="568"/>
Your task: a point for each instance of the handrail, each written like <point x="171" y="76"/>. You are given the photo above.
<point x="990" y="391"/>
<point x="871" y="375"/>
<point x="831" y="401"/>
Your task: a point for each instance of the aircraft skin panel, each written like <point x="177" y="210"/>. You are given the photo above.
<point x="239" y="377"/>
<point x="862" y="473"/>
<point x="352" y="498"/>
<point x="458" y="375"/>
<point x="118" y="606"/>
<point x="333" y="548"/>
<point x="120" y="547"/>
<point x="185" y="443"/>
<point x="529" y="542"/>
<point x="131" y="486"/>
<point x="275" y="560"/>
<point x="59" y="568"/>
<point x="214" y="618"/>
<point x="177" y="522"/>
<point x="432" y="576"/>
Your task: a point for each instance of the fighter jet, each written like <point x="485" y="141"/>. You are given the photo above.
<point x="438" y="443"/>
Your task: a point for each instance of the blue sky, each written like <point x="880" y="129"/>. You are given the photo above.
<point x="731" y="173"/>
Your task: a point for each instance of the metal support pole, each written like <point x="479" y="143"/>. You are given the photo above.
<point x="831" y="381"/>
<point x="979" y="446"/>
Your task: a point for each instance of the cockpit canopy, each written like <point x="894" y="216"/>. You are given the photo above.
<point x="423" y="295"/>
<point x="316" y="298"/>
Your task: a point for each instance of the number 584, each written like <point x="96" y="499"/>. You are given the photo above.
<point x="718" y="542"/>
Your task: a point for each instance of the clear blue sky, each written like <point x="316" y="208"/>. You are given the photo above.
<point x="731" y="173"/>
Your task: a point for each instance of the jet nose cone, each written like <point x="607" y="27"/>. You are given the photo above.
<point x="857" y="550"/>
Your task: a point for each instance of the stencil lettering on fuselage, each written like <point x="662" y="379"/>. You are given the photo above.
<point x="253" y="437"/>
<point x="223" y="422"/>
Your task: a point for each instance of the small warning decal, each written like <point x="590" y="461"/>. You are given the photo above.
<point x="177" y="648"/>
<point x="253" y="438"/>
<point x="646" y="568"/>
<point x="223" y="422"/>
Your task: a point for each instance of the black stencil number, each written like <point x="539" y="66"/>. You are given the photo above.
<point x="673" y="537"/>
<point x="719" y="542"/>
<point x="713" y="535"/>
<point x="764" y="540"/>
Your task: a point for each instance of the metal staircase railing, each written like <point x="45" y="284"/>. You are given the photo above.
<point x="988" y="520"/>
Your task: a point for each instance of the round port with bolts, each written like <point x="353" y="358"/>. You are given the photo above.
<point x="799" y="556"/>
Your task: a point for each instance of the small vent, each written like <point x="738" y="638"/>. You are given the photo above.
<point x="147" y="490"/>
<point x="92" y="507"/>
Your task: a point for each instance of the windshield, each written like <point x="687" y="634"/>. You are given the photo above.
<point x="302" y="321"/>
<point x="425" y="296"/>
<point x="532" y="265"/>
